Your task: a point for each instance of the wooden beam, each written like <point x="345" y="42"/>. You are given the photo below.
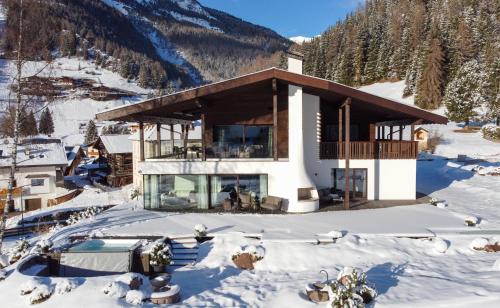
<point x="400" y="132"/>
<point x="383" y="132"/>
<point x="141" y="141"/>
<point x="373" y="132"/>
<point x="391" y="132"/>
<point x="157" y="119"/>
<point x="412" y="132"/>
<point x="185" y="135"/>
<point x="203" y="138"/>
<point x="347" y="152"/>
<point x="158" y="140"/>
<point x="172" y="137"/>
<point x="340" y="125"/>
<point x="275" y="119"/>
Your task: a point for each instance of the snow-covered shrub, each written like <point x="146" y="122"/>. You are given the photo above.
<point x="19" y="250"/>
<point x="160" y="254"/>
<point x="350" y="290"/>
<point x="65" y="286"/>
<point x="496" y="265"/>
<point x="135" y="297"/>
<point x="335" y="234"/>
<point x="86" y="214"/>
<point x="42" y="246"/>
<point x="135" y="281"/>
<point x="440" y="245"/>
<point x="116" y="289"/>
<point x="257" y="253"/>
<point x="478" y="243"/>
<point x="491" y="132"/>
<point x="471" y="221"/>
<point x="40" y="294"/>
<point x="200" y="230"/>
<point x="134" y="193"/>
<point x="4" y="260"/>
<point x="29" y="286"/>
<point x="435" y="138"/>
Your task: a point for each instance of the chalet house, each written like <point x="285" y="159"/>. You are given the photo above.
<point x="74" y="155"/>
<point x="116" y="151"/>
<point x="175" y="142"/>
<point x="421" y="135"/>
<point x="280" y="134"/>
<point x="41" y="163"/>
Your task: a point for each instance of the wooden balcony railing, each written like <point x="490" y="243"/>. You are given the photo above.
<point x="370" y="150"/>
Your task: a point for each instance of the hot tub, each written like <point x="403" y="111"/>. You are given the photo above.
<point x="98" y="257"/>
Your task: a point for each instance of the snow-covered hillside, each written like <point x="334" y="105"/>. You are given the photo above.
<point x="71" y="110"/>
<point x="454" y="143"/>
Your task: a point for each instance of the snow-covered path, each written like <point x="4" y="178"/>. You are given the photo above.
<point x="466" y="192"/>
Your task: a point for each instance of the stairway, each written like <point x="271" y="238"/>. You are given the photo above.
<point x="184" y="251"/>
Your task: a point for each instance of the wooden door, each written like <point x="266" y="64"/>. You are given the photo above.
<point x="32" y="204"/>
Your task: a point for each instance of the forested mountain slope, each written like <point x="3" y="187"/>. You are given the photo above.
<point x="446" y="51"/>
<point x="154" y="41"/>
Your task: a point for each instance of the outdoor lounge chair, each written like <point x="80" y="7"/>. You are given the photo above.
<point x="245" y="200"/>
<point x="272" y="203"/>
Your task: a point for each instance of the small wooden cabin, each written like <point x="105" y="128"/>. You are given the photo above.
<point x="117" y="152"/>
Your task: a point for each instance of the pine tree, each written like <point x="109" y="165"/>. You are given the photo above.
<point x="91" y="135"/>
<point x="463" y="94"/>
<point x="46" y="125"/>
<point x="430" y="84"/>
<point x="28" y="124"/>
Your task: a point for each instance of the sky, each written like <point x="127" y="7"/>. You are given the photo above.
<point x="288" y="17"/>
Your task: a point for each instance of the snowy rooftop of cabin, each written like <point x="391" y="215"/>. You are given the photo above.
<point x="34" y="152"/>
<point x="116" y="144"/>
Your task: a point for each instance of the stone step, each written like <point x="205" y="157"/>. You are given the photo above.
<point x="183" y="245"/>
<point x="184" y="251"/>
<point x="185" y="256"/>
<point x="182" y="262"/>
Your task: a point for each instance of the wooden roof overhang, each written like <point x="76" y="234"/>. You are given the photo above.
<point x="188" y="105"/>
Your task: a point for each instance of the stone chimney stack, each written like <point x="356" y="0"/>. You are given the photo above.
<point x="295" y="62"/>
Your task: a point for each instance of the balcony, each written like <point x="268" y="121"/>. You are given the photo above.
<point x="370" y="150"/>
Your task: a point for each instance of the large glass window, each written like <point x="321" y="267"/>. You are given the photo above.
<point x="358" y="182"/>
<point x="242" y="141"/>
<point x="175" y="191"/>
<point x="240" y="190"/>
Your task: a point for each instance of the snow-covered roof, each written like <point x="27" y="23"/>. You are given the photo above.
<point x="34" y="152"/>
<point x="71" y="152"/>
<point x="150" y="133"/>
<point x="116" y="144"/>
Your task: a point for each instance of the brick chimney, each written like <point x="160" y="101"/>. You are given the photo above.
<point x="295" y="62"/>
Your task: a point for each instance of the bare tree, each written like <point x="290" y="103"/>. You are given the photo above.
<point x="22" y="99"/>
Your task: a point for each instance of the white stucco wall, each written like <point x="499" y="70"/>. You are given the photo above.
<point x="45" y="192"/>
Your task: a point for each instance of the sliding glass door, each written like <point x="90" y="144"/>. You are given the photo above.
<point x="175" y="191"/>
<point x="358" y="182"/>
<point x="237" y="189"/>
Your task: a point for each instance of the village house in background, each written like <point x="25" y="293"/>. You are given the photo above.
<point x="280" y="140"/>
<point x="421" y="135"/>
<point x="173" y="140"/>
<point x="115" y="159"/>
<point x="74" y="155"/>
<point x="41" y="163"/>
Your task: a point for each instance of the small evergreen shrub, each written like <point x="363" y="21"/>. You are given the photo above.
<point x="491" y="132"/>
<point x="160" y="254"/>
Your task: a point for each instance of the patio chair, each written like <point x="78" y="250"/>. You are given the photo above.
<point x="245" y="200"/>
<point x="272" y="203"/>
